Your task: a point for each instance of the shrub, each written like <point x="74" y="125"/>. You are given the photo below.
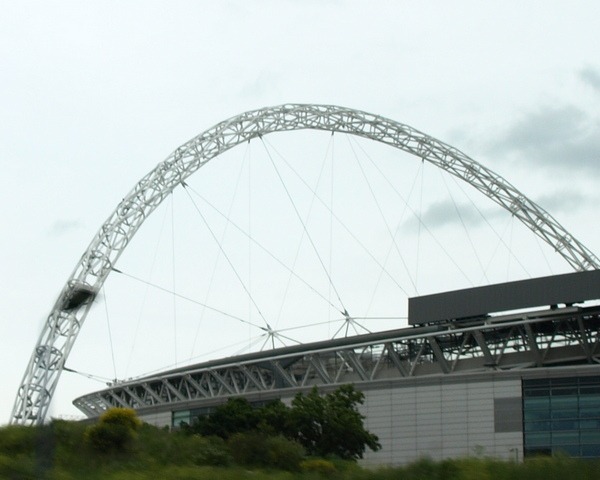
<point x="121" y="416"/>
<point x="68" y="435"/>
<point x="283" y="453"/>
<point x="17" y="467"/>
<point x="253" y="449"/>
<point x="25" y="450"/>
<point x="423" y="469"/>
<point x="115" y="431"/>
<point x="248" y="449"/>
<point x="318" y="465"/>
<point x="158" y="446"/>
<point x="16" y="439"/>
<point x="106" y="438"/>
<point x="212" y="452"/>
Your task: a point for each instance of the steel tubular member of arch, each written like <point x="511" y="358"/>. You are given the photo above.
<point x="63" y="324"/>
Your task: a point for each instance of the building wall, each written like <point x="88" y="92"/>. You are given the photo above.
<point x="162" y="419"/>
<point x="443" y="416"/>
<point x="441" y="419"/>
<point x="437" y="417"/>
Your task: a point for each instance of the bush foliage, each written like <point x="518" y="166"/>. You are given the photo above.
<point x="323" y="424"/>
<point x="57" y="451"/>
<point x="115" y="432"/>
<point x="257" y="450"/>
<point x="120" y="447"/>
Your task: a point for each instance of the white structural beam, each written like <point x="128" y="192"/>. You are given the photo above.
<point x="341" y="363"/>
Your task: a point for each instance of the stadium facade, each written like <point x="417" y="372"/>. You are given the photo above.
<point x="508" y="370"/>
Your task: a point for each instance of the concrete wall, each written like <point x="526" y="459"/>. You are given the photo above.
<point x="441" y="419"/>
<point x="436" y="417"/>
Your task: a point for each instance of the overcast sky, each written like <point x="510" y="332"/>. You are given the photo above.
<point x="94" y="94"/>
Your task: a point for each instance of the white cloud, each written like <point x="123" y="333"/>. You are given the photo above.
<point x="591" y="76"/>
<point x="61" y="227"/>
<point x="556" y="137"/>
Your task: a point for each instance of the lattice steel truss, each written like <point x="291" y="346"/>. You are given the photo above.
<point x="565" y="336"/>
<point x="61" y="329"/>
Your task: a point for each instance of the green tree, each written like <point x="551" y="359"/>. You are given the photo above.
<point x="235" y="416"/>
<point x="273" y="418"/>
<point x="331" y="424"/>
<point x="324" y="425"/>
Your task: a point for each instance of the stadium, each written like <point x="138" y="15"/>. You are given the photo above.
<point x="508" y="369"/>
<point x="506" y="385"/>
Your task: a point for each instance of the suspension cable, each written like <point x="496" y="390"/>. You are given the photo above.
<point x="225" y="255"/>
<point x="485" y="219"/>
<point x="499" y="242"/>
<point x="420" y="220"/>
<point x="462" y="222"/>
<point x="297" y="254"/>
<point x="335" y="320"/>
<point x="112" y="349"/>
<point x="248" y="153"/>
<point x="178" y="295"/>
<point x="174" y="285"/>
<point x="262" y="247"/>
<point x="342" y="224"/>
<point x="387" y="226"/>
<point x="537" y="241"/>
<point x="145" y="296"/>
<point x="391" y="247"/>
<point x="343" y="311"/>
<point x="96" y="378"/>
<point x="512" y="224"/>
<point x="331" y="185"/>
<point x="218" y="256"/>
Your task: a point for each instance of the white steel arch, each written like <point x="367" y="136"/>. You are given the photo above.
<point x="63" y="324"/>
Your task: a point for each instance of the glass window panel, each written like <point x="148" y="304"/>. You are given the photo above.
<point x="202" y="411"/>
<point x="537" y="426"/>
<point x="572" y="450"/>
<point x="565" y="438"/>
<point x="564" y="401"/>
<point x="573" y="407"/>
<point x="537" y="439"/>
<point x="536" y="382"/>
<point x="589" y="380"/>
<point x="590" y="437"/>
<point x="564" y="391"/>
<point x="530" y="415"/>
<point x="536" y="392"/>
<point x="588" y="390"/>
<point x="537" y="402"/>
<point x="565" y="425"/>
<point x="589" y="412"/>
<point x="589" y="400"/>
<point x="590" y="451"/>
<point x="568" y="413"/>
<point x="590" y="424"/>
<point x="179" y="417"/>
<point x="564" y="381"/>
